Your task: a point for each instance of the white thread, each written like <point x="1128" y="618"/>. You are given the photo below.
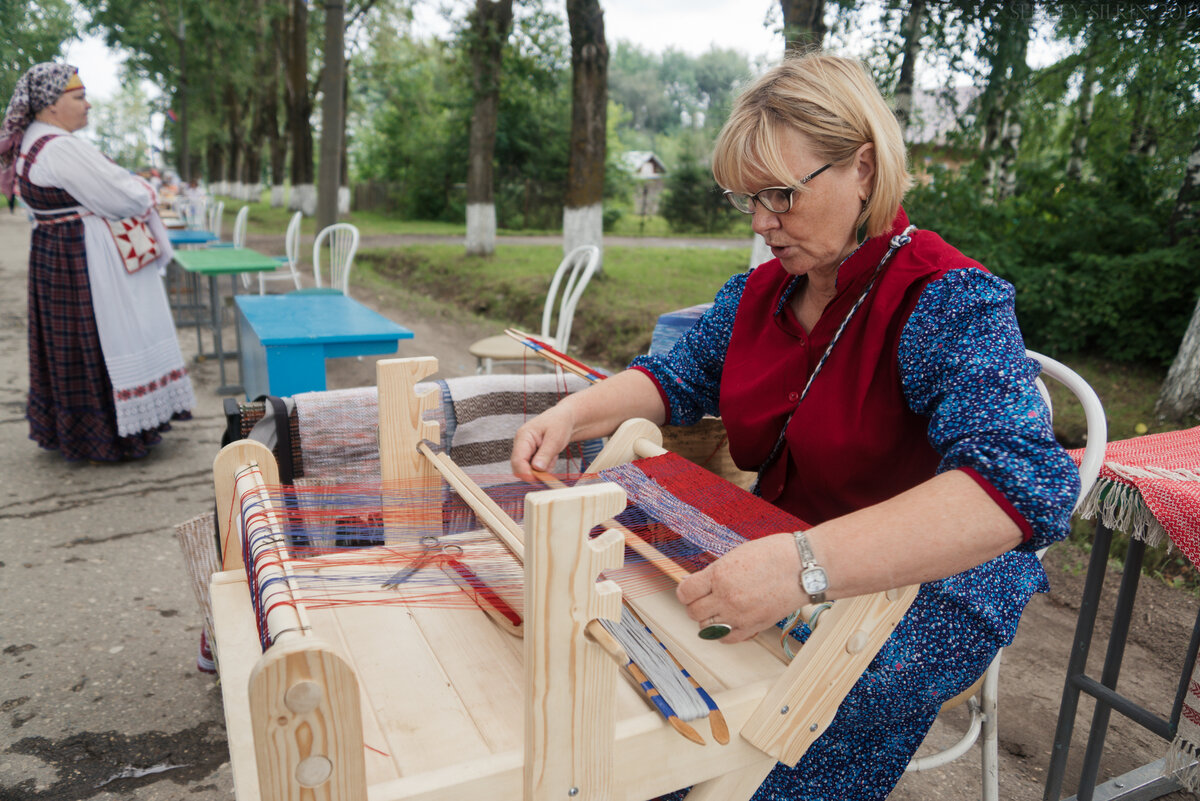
<point x="648" y="654"/>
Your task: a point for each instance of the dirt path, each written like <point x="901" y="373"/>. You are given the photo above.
<point x="98" y="693"/>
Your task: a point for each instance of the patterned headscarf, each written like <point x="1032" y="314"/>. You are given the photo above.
<point x="39" y="87"/>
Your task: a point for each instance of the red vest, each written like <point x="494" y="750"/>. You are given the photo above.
<point x="853" y="442"/>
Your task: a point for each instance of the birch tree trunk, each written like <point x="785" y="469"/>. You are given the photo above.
<point x="1010" y="136"/>
<point x="1001" y="100"/>
<point x="583" y="221"/>
<point x="1083" y="119"/>
<point x="491" y="24"/>
<point x="1179" y="398"/>
<point x="913" y="25"/>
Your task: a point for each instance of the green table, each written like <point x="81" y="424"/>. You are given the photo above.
<point x="213" y="263"/>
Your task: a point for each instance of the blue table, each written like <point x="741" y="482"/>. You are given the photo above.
<point x="188" y="236"/>
<point x="287" y="338"/>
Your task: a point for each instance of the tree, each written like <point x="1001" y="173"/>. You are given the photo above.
<point x="1180" y="394"/>
<point x="912" y="27"/>
<point x="298" y="104"/>
<point x="489" y="28"/>
<point x="1005" y="50"/>
<point x="121" y="124"/>
<point x="34" y="31"/>
<point x="804" y="26"/>
<point x="332" y="113"/>
<point x="157" y="36"/>
<point x="584" y="203"/>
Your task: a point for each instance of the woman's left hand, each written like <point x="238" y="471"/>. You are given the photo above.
<point x="751" y="588"/>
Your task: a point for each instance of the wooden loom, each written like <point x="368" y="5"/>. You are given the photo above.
<point x="425" y="704"/>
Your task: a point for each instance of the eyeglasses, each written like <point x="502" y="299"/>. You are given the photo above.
<point x="775" y="199"/>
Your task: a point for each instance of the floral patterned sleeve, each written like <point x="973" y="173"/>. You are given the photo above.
<point x="689" y="376"/>
<point x="963" y="364"/>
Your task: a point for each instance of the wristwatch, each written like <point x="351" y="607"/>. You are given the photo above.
<point x="813" y="579"/>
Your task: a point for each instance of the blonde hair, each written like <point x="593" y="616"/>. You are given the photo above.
<point x="835" y="105"/>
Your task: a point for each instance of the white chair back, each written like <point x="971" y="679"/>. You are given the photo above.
<point x="340" y="241"/>
<point x="193" y="212"/>
<point x="216" y="214"/>
<point x="576" y="268"/>
<point x="239" y="227"/>
<point x="291" y="249"/>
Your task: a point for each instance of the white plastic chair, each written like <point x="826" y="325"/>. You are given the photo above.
<point x="291" y="247"/>
<point x="341" y="242"/>
<point x="238" y="239"/>
<point x="982" y="698"/>
<point x="216" y="214"/>
<point x="572" y="276"/>
<point x="193" y="212"/>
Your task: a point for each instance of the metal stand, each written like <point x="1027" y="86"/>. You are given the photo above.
<point x="1143" y="783"/>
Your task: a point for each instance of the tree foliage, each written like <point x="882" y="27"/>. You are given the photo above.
<point x="34" y="31"/>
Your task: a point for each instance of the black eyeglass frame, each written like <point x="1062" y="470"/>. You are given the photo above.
<point x="752" y="199"/>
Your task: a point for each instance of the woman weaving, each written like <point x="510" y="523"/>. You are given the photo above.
<point x="876" y="379"/>
<point x="105" y="371"/>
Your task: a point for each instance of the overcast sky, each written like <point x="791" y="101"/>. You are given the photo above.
<point x="693" y="26"/>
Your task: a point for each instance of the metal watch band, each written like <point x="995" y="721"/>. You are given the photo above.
<point x="808" y="562"/>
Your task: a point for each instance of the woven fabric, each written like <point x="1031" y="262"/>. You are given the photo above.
<point x="1149" y="487"/>
<point x="487" y="410"/>
<point x="198" y="542"/>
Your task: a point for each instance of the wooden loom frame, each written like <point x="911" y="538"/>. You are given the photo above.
<point x="318" y="715"/>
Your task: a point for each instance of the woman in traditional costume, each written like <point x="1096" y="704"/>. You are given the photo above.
<point x="105" y="371"/>
<point x="877" y="381"/>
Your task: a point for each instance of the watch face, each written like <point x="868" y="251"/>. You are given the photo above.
<point x="814" y="580"/>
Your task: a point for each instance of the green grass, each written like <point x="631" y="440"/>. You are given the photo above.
<point x="615" y="317"/>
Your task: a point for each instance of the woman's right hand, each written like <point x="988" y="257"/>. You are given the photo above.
<point x="537" y="443"/>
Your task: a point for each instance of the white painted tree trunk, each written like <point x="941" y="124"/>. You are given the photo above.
<point x="760" y="252"/>
<point x="1010" y="146"/>
<point x="278" y="196"/>
<point x="584" y="226"/>
<point x="304" y="199"/>
<point x="343" y="201"/>
<point x="1179" y="399"/>
<point x="481" y="229"/>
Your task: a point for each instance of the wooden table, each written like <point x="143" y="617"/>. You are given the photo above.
<point x="287" y="338"/>
<point x="213" y="263"/>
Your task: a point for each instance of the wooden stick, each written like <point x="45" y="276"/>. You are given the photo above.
<point x="652" y="693"/>
<point x="716" y="720"/>
<point x="669" y="567"/>
<point x="554" y="356"/>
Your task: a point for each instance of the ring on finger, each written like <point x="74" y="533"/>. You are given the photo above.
<point x="714" y="630"/>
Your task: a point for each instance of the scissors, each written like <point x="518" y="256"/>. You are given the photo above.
<point x="433" y="549"/>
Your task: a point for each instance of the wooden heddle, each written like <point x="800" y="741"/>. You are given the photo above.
<point x="388" y="702"/>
